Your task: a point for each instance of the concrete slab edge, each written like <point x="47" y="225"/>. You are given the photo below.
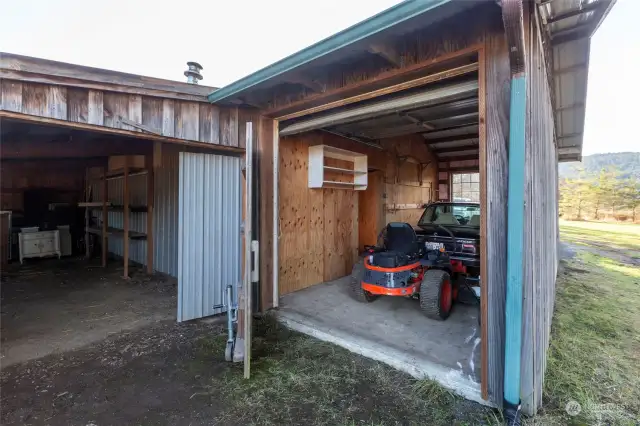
<point x="420" y="369"/>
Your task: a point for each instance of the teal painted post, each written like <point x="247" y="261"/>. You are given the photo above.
<point x="515" y="240"/>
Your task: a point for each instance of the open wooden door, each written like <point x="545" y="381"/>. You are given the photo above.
<point x="250" y="272"/>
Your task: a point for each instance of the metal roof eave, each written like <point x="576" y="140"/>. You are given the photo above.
<point x="375" y="24"/>
<point x="578" y="114"/>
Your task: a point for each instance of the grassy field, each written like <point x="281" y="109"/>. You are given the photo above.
<point x="619" y="236"/>
<point x="594" y="357"/>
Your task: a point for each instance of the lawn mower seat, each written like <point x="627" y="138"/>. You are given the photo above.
<point x="401" y="243"/>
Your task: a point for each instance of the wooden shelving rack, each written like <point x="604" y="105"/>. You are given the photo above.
<point x="323" y="175"/>
<point x="105" y="206"/>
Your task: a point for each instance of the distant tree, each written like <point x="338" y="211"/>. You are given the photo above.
<point x="604" y="190"/>
<point x="615" y="187"/>
<point x="595" y="194"/>
<point x="598" y="193"/>
<point x="631" y="196"/>
<point x="574" y="197"/>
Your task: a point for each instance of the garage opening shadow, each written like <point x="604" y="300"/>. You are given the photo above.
<point x="53" y="306"/>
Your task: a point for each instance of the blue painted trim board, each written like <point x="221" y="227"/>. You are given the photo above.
<point x="515" y="239"/>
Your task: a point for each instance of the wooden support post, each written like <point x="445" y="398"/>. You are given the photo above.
<point x="238" y="356"/>
<point x="125" y="237"/>
<point x="87" y="213"/>
<point x="484" y="262"/>
<point x="150" y="164"/>
<point x="105" y="216"/>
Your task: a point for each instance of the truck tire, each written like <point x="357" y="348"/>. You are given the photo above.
<point x="357" y="292"/>
<point x="436" y="294"/>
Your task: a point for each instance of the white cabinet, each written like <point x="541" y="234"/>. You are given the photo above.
<point x="322" y="175"/>
<point x="39" y="244"/>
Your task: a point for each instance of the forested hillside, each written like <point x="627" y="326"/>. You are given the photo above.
<point x="627" y="163"/>
<point x="602" y="187"/>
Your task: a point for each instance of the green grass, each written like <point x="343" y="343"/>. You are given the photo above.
<point x="594" y="355"/>
<point x="620" y="236"/>
<point x="296" y="379"/>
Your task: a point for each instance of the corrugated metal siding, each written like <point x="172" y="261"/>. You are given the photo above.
<point x="137" y="221"/>
<point x="209" y="234"/>
<point x="165" y="215"/>
<point x="540" y="261"/>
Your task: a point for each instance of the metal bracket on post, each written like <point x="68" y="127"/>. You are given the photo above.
<point x="255" y="265"/>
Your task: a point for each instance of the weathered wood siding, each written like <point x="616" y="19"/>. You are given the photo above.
<point x="320" y="229"/>
<point x="187" y="120"/>
<point x="363" y="72"/>
<point x="494" y="180"/>
<point x="541" y="225"/>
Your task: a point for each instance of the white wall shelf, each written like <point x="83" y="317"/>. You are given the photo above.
<point x="356" y="176"/>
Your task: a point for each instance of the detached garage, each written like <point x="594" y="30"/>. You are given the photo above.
<point x="428" y="101"/>
<point x="463" y="106"/>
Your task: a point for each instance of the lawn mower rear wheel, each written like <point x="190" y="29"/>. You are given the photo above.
<point x="357" y="292"/>
<point x="436" y="294"/>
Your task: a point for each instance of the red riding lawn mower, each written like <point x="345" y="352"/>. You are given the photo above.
<point x="436" y="269"/>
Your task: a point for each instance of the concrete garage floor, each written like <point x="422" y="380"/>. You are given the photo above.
<point x="394" y="331"/>
<point x="53" y="306"/>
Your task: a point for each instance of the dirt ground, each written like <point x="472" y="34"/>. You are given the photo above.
<point x="82" y="346"/>
<point x="142" y="377"/>
<point x="174" y="374"/>
<point x="52" y="306"/>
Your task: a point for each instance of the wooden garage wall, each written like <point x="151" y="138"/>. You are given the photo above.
<point x="320" y="228"/>
<point x="188" y="120"/>
<point x="65" y="176"/>
<point x="410" y="178"/>
<point x="541" y="225"/>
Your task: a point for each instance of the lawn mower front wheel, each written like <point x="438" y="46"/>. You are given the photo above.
<point x="436" y="294"/>
<point x="357" y="292"/>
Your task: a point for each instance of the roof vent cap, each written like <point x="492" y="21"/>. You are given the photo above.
<point x="193" y="73"/>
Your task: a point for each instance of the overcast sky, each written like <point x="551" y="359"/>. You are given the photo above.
<point x="234" y="38"/>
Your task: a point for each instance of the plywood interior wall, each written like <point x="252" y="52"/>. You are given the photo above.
<point x="322" y="230"/>
<point x="410" y="178"/>
<point x="301" y="219"/>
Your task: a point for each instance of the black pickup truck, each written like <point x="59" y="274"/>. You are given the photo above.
<point x="453" y="229"/>
<point x="454" y="226"/>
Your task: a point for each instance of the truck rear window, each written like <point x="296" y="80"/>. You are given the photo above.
<point x="451" y="214"/>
